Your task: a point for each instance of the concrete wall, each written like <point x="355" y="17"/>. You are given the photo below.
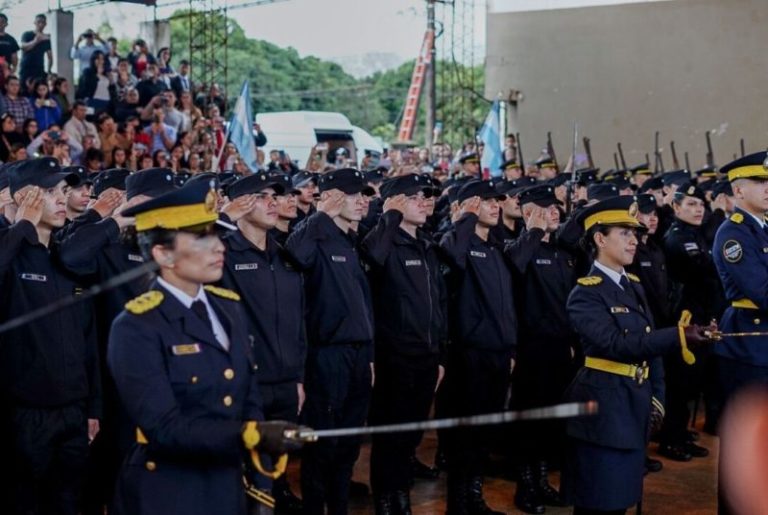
<point x="157" y="34"/>
<point x="60" y="25"/>
<point x="623" y="71"/>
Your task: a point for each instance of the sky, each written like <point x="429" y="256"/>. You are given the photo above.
<point x="340" y="30"/>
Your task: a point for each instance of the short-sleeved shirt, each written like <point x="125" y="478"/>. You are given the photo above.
<point x="32" y="61"/>
<point x="8" y="47"/>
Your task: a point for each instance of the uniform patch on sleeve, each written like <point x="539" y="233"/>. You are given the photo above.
<point x="732" y="251"/>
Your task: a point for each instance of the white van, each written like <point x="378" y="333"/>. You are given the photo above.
<point x="296" y="132"/>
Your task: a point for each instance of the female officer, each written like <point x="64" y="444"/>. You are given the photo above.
<point x="609" y="311"/>
<point x="182" y="364"/>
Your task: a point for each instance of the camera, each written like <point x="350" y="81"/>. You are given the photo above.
<point x="54" y="135"/>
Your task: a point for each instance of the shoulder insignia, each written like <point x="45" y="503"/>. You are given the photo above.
<point x="633" y="277"/>
<point x="591" y="280"/>
<point x="737" y="218"/>
<point x="144" y="302"/>
<point x="222" y="292"/>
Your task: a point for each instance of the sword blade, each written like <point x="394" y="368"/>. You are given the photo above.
<point x="567" y="410"/>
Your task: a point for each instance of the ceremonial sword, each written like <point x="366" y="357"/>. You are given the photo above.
<point x="566" y="410"/>
<point x="717" y="335"/>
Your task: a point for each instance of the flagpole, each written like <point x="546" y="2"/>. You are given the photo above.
<point x="229" y="128"/>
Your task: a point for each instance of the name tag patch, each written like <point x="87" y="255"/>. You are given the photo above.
<point x="475" y="253"/>
<point x="247" y="266"/>
<point x="339" y="259"/>
<point x="184" y="350"/>
<point x="413" y="262"/>
<point x="646" y="264"/>
<point x="619" y="309"/>
<point x="690" y="246"/>
<point x="543" y="261"/>
<point x="34" y="277"/>
<point x="135" y="257"/>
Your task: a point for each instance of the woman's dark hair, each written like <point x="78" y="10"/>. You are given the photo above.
<point x="145" y="240"/>
<point x="57" y="84"/>
<point x="170" y="54"/>
<point x="587" y="241"/>
<point x="115" y="150"/>
<point x="94" y="56"/>
<point x="27" y="123"/>
<point x="156" y="154"/>
<point x="94" y="154"/>
<point x="38" y="83"/>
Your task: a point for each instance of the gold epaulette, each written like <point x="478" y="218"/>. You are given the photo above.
<point x="590" y="280"/>
<point x="144" y="302"/>
<point x="633" y="277"/>
<point x="222" y="292"/>
<point x="737" y="218"/>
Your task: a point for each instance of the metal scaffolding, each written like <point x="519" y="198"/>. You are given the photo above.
<point x="207" y="24"/>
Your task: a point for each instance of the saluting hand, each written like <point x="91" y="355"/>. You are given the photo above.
<point x="332" y="204"/>
<point x="30" y="205"/>
<point x="398" y="203"/>
<point x="471" y="205"/>
<point x="107" y="202"/>
<point x="238" y="208"/>
<point x="537" y="219"/>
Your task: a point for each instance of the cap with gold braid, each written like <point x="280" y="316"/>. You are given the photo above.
<point x="621" y="211"/>
<point x="754" y="166"/>
<point x="184" y="208"/>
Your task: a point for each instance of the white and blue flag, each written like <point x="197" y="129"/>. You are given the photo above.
<point x="492" y="157"/>
<point x="241" y="128"/>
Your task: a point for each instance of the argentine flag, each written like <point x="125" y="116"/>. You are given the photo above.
<point x="491" y="160"/>
<point x="241" y="128"/>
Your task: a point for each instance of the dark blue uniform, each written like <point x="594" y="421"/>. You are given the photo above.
<point x="272" y="295"/>
<point x="741" y="258"/>
<point x="339" y="320"/>
<point x="49" y="376"/>
<point x="606" y="453"/>
<point x="189" y="397"/>
<point x="409" y="300"/>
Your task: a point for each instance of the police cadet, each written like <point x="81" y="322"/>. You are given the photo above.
<point x="741" y="257"/>
<point x="608" y="309"/>
<point x="483" y="334"/>
<point x="373" y="178"/>
<point x="181" y="360"/>
<point x="78" y="196"/>
<point x="49" y="371"/>
<point x="287" y="209"/>
<point x="339" y="320"/>
<point x="271" y="289"/>
<point x="409" y="307"/>
<point x="671" y="181"/>
<point x="544" y="275"/>
<point x="470" y="166"/>
<point x="511" y="169"/>
<point x="511" y="220"/>
<point x="7" y="206"/>
<point x="547" y="167"/>
<point x="641" y="174"/>
<point x="692" y="269"/>
<point x="306" y="184"/>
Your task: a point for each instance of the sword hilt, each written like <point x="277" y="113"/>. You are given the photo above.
<point x="715" y="336"/>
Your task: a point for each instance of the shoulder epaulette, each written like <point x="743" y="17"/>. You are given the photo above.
<point x="590" y="280"/>
<point x="633" y="277"/>
<point x="144" y="302"/>
<point x="737" y="218"/>
<point x="222" y="292"/>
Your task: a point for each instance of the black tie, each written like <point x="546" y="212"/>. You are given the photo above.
<point x="623" y="282"/>
<point x="201" y="311"/>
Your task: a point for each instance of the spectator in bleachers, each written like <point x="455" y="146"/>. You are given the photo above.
<point x="213" y="96"/>
<point x="140" y="57"/>
<point x="29" y="131"/>
<point x="129" y="106"/>
<point x="59" y="93"/>
<point x="182" y="81"/>
<point x="151" y="86"/>
<point x="79" y="128"/>
<point x="9" y="48"/>
<point x="193" y="164"/>
<point x="126" y="133"/>
<point x="93" y="161"/>
<point x="83" y="53"/>
<point x="18" y="153"/>
<point x="36" y="49"/>
<point x="95" y="87"/>
<point x="164" y="66"/>
<point x="18" y="106"/>
<point x="50" y="143"/>
<point x="176" y="158"/>
<point x="124" y="79"/>
<point x="47" y="111"/>
<point x="160" y="159"/>
<point x="113" y="58"/>
<point x="107" y="128"/>
<point x="9" y="135"/>
<point x="145" y="161"/>
<point x="162" y="136"/>
<point x="190" y="111"/>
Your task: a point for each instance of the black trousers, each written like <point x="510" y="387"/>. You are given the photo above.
<point x="684" y="383"/>
<point x="403" y="392"/>
<point x="477" y="382"/>
<point x="338" y="388"/>
<point x="48" y="459"/>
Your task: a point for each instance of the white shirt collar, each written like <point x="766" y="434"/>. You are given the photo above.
<point x="613" y="275"/>
<point x="182" y="296"/>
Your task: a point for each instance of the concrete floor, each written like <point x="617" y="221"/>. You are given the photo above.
<point x="680" y="488"/>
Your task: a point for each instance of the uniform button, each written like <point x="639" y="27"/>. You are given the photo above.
<point x="193" y="380"/>
<point x="229" y="373"/>
<point x="228" y="400"/>
<point x="151" y="466"/>
<point x="255" y="367"/>
<point x="647" y="329"/>
<point x="756" y="321"/>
